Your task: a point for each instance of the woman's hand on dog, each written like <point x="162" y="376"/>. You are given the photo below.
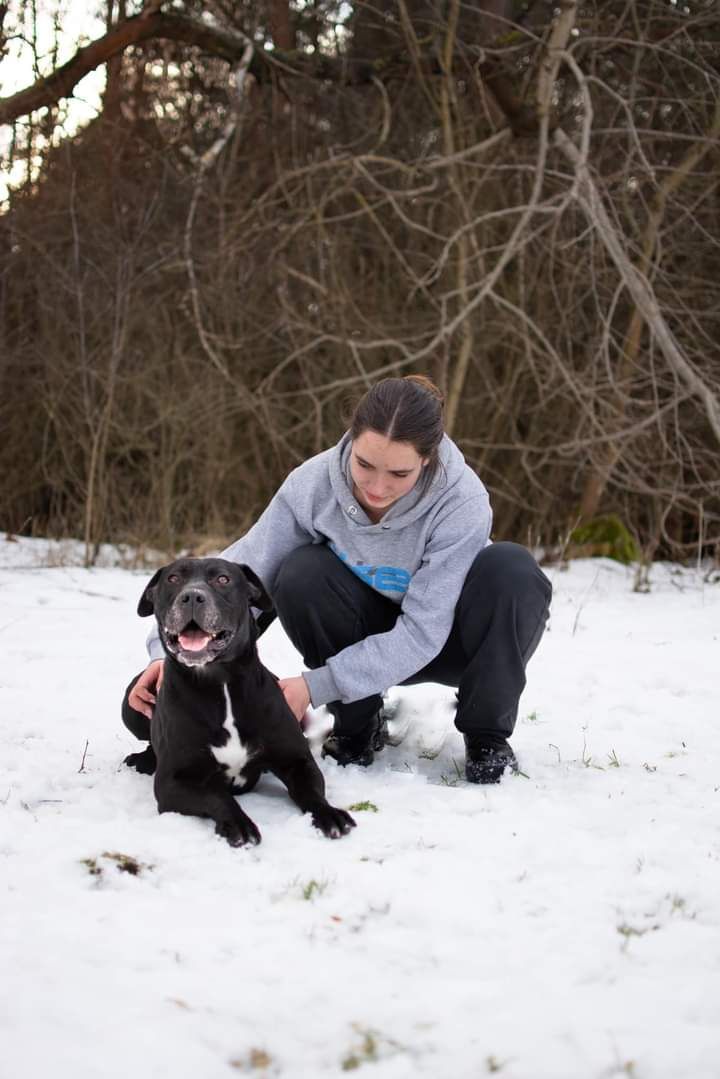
<point x="296" y="694"/>
<point x="144" y="693"/>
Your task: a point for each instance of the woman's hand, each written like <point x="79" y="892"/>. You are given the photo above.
<point x="296" y="695"/>
<point x="144" y="693"/>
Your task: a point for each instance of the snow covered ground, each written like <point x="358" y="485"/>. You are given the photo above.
<point x="565" y="923"/>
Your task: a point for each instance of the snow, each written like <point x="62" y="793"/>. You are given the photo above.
<point x="564" y="923"/>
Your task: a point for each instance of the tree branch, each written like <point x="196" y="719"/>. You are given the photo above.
<point x="229" y="45"/>
<point x="637" y="283"/>
<point x="135" y="31"/>
<point x="225" y="44"/>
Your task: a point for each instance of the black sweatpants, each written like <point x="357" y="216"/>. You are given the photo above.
<point x="499" y="620"/>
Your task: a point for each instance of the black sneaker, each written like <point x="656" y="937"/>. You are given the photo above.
<point x="486" y="762"/>
<point x="359" y="747"/>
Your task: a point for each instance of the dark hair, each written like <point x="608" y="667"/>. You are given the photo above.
<point x="405" y="409"/>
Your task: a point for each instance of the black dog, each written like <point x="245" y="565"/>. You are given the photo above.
<point x="220" y="719"/>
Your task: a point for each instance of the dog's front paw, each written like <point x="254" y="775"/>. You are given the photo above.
<point x="142" y="762"/>
<point x="333" y="822"/>
<point x="239" y="833"/>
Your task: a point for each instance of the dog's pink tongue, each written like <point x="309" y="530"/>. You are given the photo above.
<point x="193" y="640"/>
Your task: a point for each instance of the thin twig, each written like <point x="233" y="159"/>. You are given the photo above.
<point x="82" y="763"/>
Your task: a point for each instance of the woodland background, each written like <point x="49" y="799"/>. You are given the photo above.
<point x="278" y="203"/>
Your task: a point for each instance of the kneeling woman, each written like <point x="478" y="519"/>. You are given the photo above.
<point x="378" y="558"/>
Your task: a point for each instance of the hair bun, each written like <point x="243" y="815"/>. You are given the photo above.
<point x="426" y="384"/>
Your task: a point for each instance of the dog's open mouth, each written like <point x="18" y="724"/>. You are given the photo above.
<point x="194" y="640"/>
<point x="194" y="645"/>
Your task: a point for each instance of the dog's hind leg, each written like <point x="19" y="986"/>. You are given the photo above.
<point x="144" y="761"/>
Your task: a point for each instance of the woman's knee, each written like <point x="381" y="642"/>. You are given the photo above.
<point x="136" y="722"/>
<point x="509" y="569"/>
<point x="505" y="582"/>
<point x="314" y="585"/>
<point x="303" y="576"/>
<point x="507" y="594"/>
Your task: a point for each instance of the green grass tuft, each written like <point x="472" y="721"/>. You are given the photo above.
<point x="606" y="537"/>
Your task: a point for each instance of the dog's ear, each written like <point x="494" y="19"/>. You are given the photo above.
<point x="258" y="596"/>
<point x="146" y="606"/>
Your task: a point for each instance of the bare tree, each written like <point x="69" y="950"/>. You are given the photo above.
<point x="277" y="206"/>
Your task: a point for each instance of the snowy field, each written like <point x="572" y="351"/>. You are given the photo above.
<point x="565" y="923"/>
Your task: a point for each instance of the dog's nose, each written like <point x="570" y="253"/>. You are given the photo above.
<point x="190" y="596"/>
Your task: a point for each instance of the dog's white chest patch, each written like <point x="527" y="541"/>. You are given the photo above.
<point x="233" y="755"/>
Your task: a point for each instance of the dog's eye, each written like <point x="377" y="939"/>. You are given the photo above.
<point x="222" y="578"/>
<point x="173" y="578"/>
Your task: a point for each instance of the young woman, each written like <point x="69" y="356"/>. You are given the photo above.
<point x="377" y="556"/>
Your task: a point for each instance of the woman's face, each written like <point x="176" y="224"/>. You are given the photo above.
<point x="382" y="471"/>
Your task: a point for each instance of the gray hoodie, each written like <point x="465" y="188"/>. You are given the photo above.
<point x="418" y="556"/>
